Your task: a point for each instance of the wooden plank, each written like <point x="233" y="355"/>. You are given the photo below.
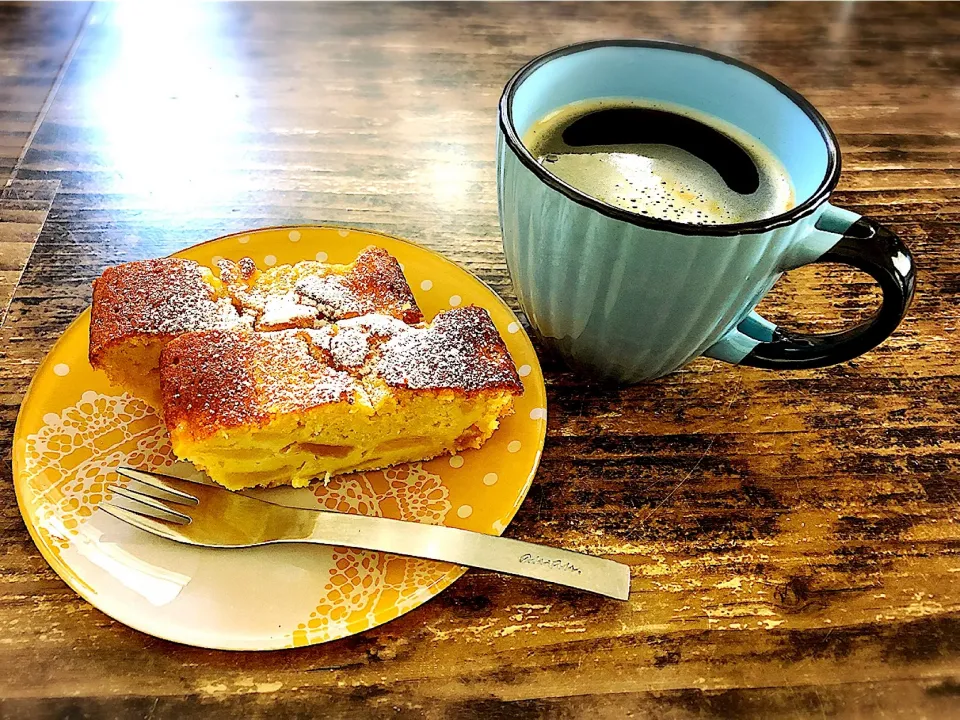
<point x="34" y="43"/>
<point x="24" y="205"/>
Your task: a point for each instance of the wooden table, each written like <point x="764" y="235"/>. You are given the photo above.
<point x="794" y="537"/>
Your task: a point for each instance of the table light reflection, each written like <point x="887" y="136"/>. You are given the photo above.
<point x="172" y="105"/>
<point x="451" y="177"/>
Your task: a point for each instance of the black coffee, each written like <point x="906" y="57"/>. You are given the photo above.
<point x="662" y="161"/>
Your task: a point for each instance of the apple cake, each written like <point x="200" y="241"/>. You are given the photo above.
<point x="261" y="409"/>
<point x="139" y="307"/>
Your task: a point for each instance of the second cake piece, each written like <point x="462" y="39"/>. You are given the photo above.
<point x="261" y="409"/>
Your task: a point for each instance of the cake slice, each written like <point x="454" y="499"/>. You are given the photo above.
<point x="255" y="409"/>
<point x="141" y="306"/>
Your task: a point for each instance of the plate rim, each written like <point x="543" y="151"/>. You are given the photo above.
<point x="89" y="594"/>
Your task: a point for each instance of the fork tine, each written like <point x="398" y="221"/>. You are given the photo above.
<point x="150" y="506"/>
<point x="158" y="486"/>
<point x="142" y="522"/>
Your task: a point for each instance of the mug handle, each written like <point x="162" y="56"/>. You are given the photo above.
<point x="865" y="245"/>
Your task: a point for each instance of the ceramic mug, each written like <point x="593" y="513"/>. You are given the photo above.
<point x="628" y="297"/>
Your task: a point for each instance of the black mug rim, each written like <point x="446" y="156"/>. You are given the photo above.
<point x="807" y="207"/>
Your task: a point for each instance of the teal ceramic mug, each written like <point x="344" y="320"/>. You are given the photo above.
<point x="627" y="297"/>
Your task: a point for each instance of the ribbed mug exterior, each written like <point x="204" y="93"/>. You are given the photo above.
<point x="627" y="297"/>
<point x="620" y="301"/>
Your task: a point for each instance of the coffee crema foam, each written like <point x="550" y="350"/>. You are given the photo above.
<point x="659" y="180"/>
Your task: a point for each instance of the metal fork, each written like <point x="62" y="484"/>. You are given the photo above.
<point x="195" y="513"/>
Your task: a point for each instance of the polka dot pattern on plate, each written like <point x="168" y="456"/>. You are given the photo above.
<point x="524" y="370"/>
<point x="270" y="260"/>
<point x="464" y="511"/>
<point x="321" y="256"/>
<point x="61" y="369"/>
<point x="513" y="328"/>
<point x="426" y="284"/>
<point x="243" y="240"/>
<point x="538" y="414"/>
<point x="455" y="300"/>
<point x="456" y="461"/>
<point x="216" y="259"/>
<point x="342" y="232"/>
<point x="490" y="479"/>
<point x="513" y="446"/>
<point x="294" y="235"/>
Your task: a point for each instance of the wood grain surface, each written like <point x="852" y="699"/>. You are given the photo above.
<point x="794" y="537"/>
<point x="35" y="44"/>
<point x="35" y="41"/>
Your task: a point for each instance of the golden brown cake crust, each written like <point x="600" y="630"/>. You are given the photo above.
<point x="320" y="292"/>
<point x="378" y="284"/>
<point x="373" y="283"/>
<point x="221" y="379"/>
<point x="166" y="297"/>
<point x="155" y="298"/>
<point x="461" y="350"/>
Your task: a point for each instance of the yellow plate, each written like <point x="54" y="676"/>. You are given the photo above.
<point x="75" y="427"/>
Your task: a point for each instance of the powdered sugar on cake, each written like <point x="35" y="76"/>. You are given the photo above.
<point x="179" y="314"/>
<point x="461" y="350"/>
<point x="350" y="342"/>
<point x="287" y="311"/>
<point x="330" y="295"/>
<point x="162" y="297"/>
<point x="311" y="294"/>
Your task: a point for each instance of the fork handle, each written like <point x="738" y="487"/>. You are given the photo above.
<point x="476" y="550"/>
